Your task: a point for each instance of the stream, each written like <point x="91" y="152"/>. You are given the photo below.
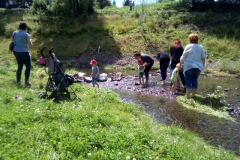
<point x="157" y="102"/>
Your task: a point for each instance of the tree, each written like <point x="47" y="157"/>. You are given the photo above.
<point x="126" y="3"/>
<point x="103" y="3"/>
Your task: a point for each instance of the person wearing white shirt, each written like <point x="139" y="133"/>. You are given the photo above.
<point x="193" y="60"/>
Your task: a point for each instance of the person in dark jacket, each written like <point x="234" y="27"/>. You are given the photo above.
<point x="176" y="52"/>
<point x="147" y="63"/>
<point x="164" y="59"/>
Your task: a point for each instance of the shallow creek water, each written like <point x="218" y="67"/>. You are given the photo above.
<point x="157" y="101"/>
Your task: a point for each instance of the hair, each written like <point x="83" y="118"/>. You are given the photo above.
<point x="22" y="25"/>
<point x="137" y="55"/>
<point x="177" y="42"/>
<point x="193" y="38"/>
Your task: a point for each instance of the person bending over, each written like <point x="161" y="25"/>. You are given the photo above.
<point x="147" y="63"/>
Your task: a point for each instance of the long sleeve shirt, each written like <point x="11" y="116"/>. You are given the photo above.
<point x="192" y="57"/>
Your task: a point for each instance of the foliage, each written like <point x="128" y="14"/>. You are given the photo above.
<point x="210" y="5"/>
<point x="99" y="127"/>
<point x="217" y="98"/>
<point x="119" y="31"/>
<point x="102" y="3"/>
<point x="63" y="7"/>
<point x="229" y="66"/>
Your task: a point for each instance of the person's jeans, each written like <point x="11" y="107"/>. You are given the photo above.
<point x="191" y="77"/>
<point x="23" y="58"/>
<point x="163" y="68"/>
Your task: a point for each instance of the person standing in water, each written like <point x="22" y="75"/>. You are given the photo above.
<point x="193" y="60"/>
<point x="147" y="64"/>
<point x="164" y="59"/>
<point x="140" y="71"/>
<point x="176" y="52"/>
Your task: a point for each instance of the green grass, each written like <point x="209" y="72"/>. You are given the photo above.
<point x="199" y="104"/>
<point x="119" y="31"/>
<point x="101" y="126"/>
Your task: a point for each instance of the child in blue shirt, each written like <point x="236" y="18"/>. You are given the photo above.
<point x="95" y="73"/>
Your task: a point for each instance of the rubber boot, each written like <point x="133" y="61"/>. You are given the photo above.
<point x="194" y="92"/>
<point x="188" y="90"/>
<point x="27" y="83"/>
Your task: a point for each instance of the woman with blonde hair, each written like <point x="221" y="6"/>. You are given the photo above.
<point x="193" y="60"/>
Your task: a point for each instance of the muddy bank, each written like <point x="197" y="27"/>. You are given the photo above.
<point x="119" y="61"/>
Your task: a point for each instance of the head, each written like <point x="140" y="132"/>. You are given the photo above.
<point x="137" y="55"/>
<point x="193" y="38"/>
<point x="22" y="25"/>
<point x="177" y="42"/>
<point x="93" y="62"/>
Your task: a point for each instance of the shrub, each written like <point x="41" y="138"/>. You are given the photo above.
<point x="217" y="98"/>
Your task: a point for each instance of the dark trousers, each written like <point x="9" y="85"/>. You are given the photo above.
<point x="173" y="65"/>
<point x="146" y="70"/>
<point x="163" y="68"/>
<point x="23" y="58"/>
<point x="131" y="8"/>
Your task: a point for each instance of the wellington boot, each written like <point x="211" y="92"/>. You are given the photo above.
<point x="194" y="91"/>
<point x="188" y="90"/>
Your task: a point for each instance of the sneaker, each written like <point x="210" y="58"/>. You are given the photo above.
<point x="28" y="83"/>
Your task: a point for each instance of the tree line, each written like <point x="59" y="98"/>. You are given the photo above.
<point x="207" y="5"/>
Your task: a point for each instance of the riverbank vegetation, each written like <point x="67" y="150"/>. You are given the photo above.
<point x="118" y="31"/>
<point x="101" y="126"/>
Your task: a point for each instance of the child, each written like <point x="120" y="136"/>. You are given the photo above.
<point x="140" y="71"/>
<point x="95" y="73"/>
<point x="174" y="78"/>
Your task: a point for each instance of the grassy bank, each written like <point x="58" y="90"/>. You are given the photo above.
<point x="117" y="31"/>
<point x="99" y="127"/>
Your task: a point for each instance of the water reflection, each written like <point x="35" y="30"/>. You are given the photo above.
<point x="161" y="106"/>
<point x="216" y="131"/>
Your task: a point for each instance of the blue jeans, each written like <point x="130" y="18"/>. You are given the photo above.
<point x="23" y="58"/>
<point x="191" y="77"/>
<point x="95" y="80"/>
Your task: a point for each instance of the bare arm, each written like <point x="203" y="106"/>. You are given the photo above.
<point x="145" y="64"/>
<point x="29" y="41"/>
<point x="203" y="60"/>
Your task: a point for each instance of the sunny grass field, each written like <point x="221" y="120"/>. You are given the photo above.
<point x="101" y="126"/>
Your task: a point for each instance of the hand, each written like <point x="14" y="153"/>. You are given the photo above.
<point x="141" y="68"/>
